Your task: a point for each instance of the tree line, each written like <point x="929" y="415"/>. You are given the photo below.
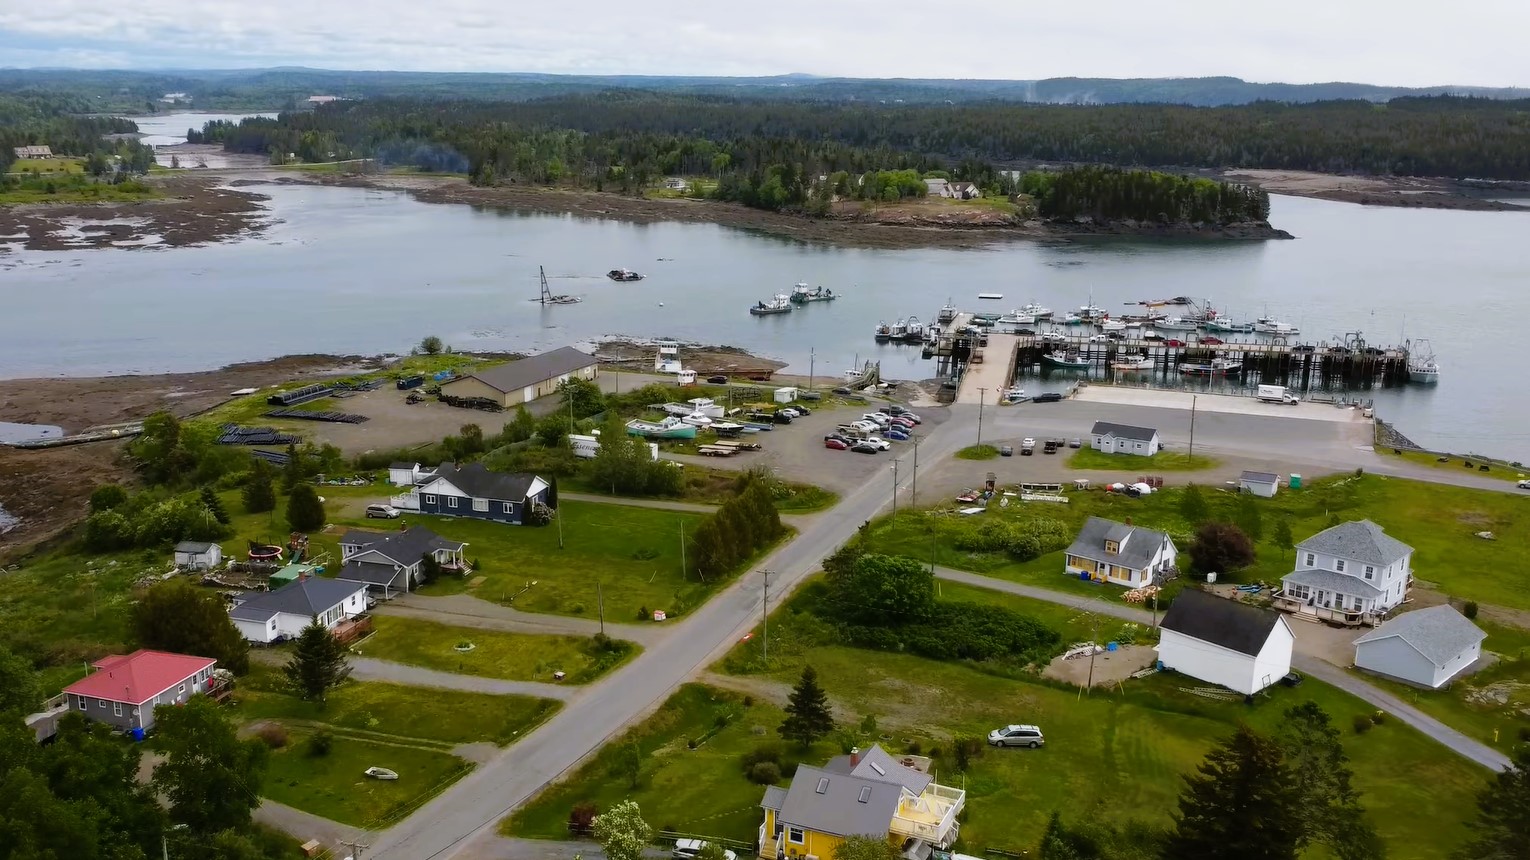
<point x="55" y="121"/>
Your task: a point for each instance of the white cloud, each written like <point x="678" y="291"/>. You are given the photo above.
<point x="1400" y="42"/>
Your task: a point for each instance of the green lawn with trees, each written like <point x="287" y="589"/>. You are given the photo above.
<point x="493" y="653"/>
<point x="1163" y="461"/>
<point x="332" y="784"/>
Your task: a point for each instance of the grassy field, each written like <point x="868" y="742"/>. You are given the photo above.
<point x="335" y="787"/>
<point x="1438" y="521"/>
<point x="370" y="709"/>
<point x="495" y="654"/>
<point x="1457" y="463"/>
<point x="72" y="188"/>
<point x="1163" y="461"/>
<point x="977" y="452"/>
<point x="45" y="166"/>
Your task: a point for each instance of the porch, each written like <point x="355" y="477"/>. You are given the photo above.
<point x="406" y="501"/>
<point x="930" y="816"/>
<point x="352" y="628"/>
<point x="1306" y="606"/>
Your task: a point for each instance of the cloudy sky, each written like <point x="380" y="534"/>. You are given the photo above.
<point x="1398" y="42"/>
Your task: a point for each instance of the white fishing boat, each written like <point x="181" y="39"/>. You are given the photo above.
<point x="947" y="312"/>
<point x="883" y="332"/>
<point x="1218" y="366"/>
<point x="1017" y="317"/>
<point x="899" y="329"/>
<point x="1109" y="325"/>
<point x="1270" y="325"/>
<point x="1422" y="367"/>
<point x="780" y="304"/>
<point x="697" y="419"/>
<point x="1070" y="359"/>
<point x="1091" y="312"/>
<point x="1222" y="326"/>
<point x="706" y="406"/>
<point x="1036" y="311"/>
<point x="1177" y="324"/>
<point x="1133" y="364"/>
<point x="913" y="332"/>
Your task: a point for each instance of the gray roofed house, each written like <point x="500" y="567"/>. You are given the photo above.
<point x="1426" y="646"/>
<point x="1260" y="477"/>
<point x="877" y="763"/>
<point x="774" y="797"/>
<point x="1360" y="540"/>
<point x="1228" y="623"/>
<point x="198" y="555"/>
<point x="1262" y="484"/>
<point x="1125" y="431"/>
<point x="369" y="573"/>
<point x="529" y="371"/>
<point x="1108" y="551"/>
<point x="270" y="616"/>
<point x="194" y="546"/>
<point x="828" y="802"/>
<point x="476" y="492"/>
<point x="476" y="480"/>
<point x="1112" y="438"/>
<point x="1331" y="581"/>
<point x="393" y="561"/>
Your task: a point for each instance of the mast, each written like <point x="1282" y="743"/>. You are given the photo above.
<point x="546" y="293"/>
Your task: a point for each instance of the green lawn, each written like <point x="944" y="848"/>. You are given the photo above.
<point x="1438" y="521"/>
<point x="977" y="452"/>
<point x="1075" y="625"/>
<point x="1163" y="461"/>
<point x="495" y="654"/>
<point x="694" y="790"/>
<point x="334" y="786"/>
<point x="633" y="553"/>
<point x="1457" y="463"/>
<point x="368" y="708"/>
<point x="44" y="166"/>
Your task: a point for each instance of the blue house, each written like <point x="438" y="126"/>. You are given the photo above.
<point x="474" y="491"/>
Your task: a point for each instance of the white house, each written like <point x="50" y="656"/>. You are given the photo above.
<point x="392" y="561"/>
<point x="937" y="188"/>
<point x="1352" y="573"/>
<point x="408" y="474"/>
<point x="198" y="555"/>
<point x="1119" y="553"/>
<point x="965" y="190"/>
<point x="1123" y="439"/>
<point x="270" y="616"/>
<point x="1426" y="647"/>
<point x="1223" y="642"/>
<point x="1261" y="484"/>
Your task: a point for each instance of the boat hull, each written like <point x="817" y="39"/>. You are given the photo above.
<point x="765" y="312"/>
<point x="650" y="430"/>
<point x="1424" y="377"/>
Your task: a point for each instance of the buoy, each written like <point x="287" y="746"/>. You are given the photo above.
<point x="661" y="304"/>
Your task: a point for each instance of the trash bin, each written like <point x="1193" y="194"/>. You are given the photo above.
<point x="138" y="734"/>
<point x="1296" y="481"/>
<point x="1111" y="646"/>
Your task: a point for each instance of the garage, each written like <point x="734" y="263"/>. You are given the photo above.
<point x="525" y="380"/>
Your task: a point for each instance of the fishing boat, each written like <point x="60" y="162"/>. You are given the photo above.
<point x="1035" y="310"/>
<point x="1270" y="325"/>
<point x="801" y="295"/>
<point x="1091" y="312"/>
<point x="697" y="419"/>
<point x="781" y="304"/>
<point x="669" y="428"/>
<point x="1109" y="325"/>
<point x="1177" y="324"/>
<point x="1071" y="318"/>
<point x="883" y="332"/>
<point x="707" y="406"/>
<point x="548" y="298"/>
<point x="947" y="313"/>
<point x="1132" y="365"/>
<point x="914" y="332"/>
<point x="898" y="330"/>
<point x="1422" y="367"/>
<point x="1218" y="366"/>
<point x="623" y="275"/>
<point x="1017" y="317"/>
<point x="1066" y="358"/>
<point x="1222" y="326"/>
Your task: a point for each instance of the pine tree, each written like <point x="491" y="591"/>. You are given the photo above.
<point x="1503" y="815"/>
<point x="214" y="505"/>
<point x="1283" y="538"/>
<point x="1192" y="505"/>
<point x="1315" y="756"/>
<point x="318" y="665"/>
<point x="305" y="513"/>
<point x="292" y="472"/>
<point x="808" y="717"/>
<point x="1242" y="804"/>
<point x="258" y="494"/>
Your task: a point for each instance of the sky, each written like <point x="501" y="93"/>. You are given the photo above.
<point x="1392" y="42"/>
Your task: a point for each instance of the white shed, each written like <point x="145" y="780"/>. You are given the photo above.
<point x="1114" y="438"/>
<point x="1261" y="484"/>
<point x="1426" y="647"/>
<point x="1223" y="642"/>
<point x="786" y="395"/>
<point x="196" y="555"/>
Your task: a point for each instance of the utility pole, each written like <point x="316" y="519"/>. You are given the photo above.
<point x="356" y="848"/>
<point x="616" y="371"/>
<point x="765" y="618"/>
<point x="570" y="393"/>
<point x="895" y="487"/>
<point x="682" y="549"/>
<point x="812" y="357"/>
<point x="558" y="515"/>
<point x="982" y="393"/>
<point x="913" y="490"/>
<point x="600" y="606"/>
<point x="1193" y="398"/>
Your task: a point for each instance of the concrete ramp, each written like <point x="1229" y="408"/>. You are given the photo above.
<point x="993" y="373"/>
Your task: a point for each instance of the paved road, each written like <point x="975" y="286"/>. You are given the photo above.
<point x="443" y="827"/>
<point x="367" y="669"/>
<point x="1307" y="663"/>
<point x="465" y="610"/>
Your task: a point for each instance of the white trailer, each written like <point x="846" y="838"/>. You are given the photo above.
<point x="1276" y="394"/>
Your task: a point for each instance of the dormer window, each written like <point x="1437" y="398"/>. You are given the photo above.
<point x="1112" y="547"/>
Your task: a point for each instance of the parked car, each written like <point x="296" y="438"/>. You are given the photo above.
<point x="835" y="443"/>
<point x="1017" y="736"/>
<point x="690" y="849"/>
<point x="803" y="410"/>
<point x="1075" y="442"/>
<point x="1173" y="341"/>
<point x="1212" y="340"/>
<point x="877" y="418"/>
<point x="1006" y="451"/>
<point x="882" y="444"/>
<point x="383" y="512"/>
<point x="840" y="436"/>
<point x="1523" y="485"/>
<point x="896" y="435"/>
<point x="1027" y="443"/>
<point x="844" y="392"/>
<point x="717" y="380"/>
<point x="1049" y="397"/>
<point x="792" y="411"/>
<point x="1291" y="679"/>
<point x="900" y="421"/>
<point x="864" y="447"/>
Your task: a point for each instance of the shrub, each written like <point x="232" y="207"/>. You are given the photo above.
<point x="914" y="748"/>
<point x="643" y="614"/>
<point x="1220" y="548"/>
<point x="1379" y="717"/>
<point x="966" y="749"/>
<point x="320" y="743"/>
<point x="765" y="773"/>
<point x="748" y="701"/>
<point x="274" y="735"/>
<point x="869" y="724"/>
<point x="1524" y="734"/>
<point x="1363" y="723"/>
<point x="1470" y="609"/>
<point x="581" y="819"/>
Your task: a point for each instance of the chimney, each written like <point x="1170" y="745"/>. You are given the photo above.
<point x="855" y="756"/>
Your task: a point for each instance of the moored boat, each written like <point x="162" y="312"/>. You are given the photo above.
<point x="883" y="332"/>
<point x="1109" y="325"/>
<point x="801" y="295"/>
<point x="780" y="304"/>
<point x="1066" y="358"/>
<point x="1218" y="366"/>
<point x="1269" y="325"/>
<point x="1422" y="366"/>
<point x="1017" y="317"/>
<point x="1222" y="326"/>
<point x="1035" y="310"/>
<point x="1131" y="365"/>
<point x="1177" y="324"/>
<point x="914" y="332"/>
<point x="947" y="313"/>
<point x="623" y="275"/>
<point x="992" y="296"/>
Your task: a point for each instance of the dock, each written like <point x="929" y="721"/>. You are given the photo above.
<point x="989" y="370"/>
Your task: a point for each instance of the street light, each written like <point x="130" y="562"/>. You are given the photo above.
<point x="895" y="487"/>
<point x="982" y="392"/>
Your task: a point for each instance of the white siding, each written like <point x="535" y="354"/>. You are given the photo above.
<point x="1274" y="660"/>
<point x="1116" y="445"/>
<point x="255" y="631"/>
<point x="1227" y="668"/>
<point x="1395" y="658"/>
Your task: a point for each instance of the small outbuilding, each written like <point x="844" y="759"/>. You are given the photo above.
<point x="1261" y="484"/>
<point x="198" y="555"/>
<point x="408" y="474"/>
<point x="1224" y="642"/>
<point x="1112" y="438"/>
<point x="525" y="380"/>
<point x="1426" y="647"/>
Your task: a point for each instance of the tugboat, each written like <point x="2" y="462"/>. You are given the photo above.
<point x="801" y="295"/>
<point x="780" y="304"/>
<point x="884" y="332"/>
<point x="623" y="275"/>
<point x="1422" y="367"/>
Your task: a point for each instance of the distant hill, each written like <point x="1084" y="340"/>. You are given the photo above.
<point x="274" y="88"/>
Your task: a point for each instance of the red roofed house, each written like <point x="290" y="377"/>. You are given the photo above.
<point x="124" y="689"/>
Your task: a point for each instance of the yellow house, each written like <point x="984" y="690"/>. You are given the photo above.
<point x="1120" y="553"/>
<point x="862" y="794"/>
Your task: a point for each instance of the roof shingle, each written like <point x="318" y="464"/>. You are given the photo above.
<point x="1228" y="623"/>
<point x="1123" y="431"/>
<point x="308" y="596"/>
<point x="1440" y="633"/>
<point x="138" y="677"/>
<point x="530" y="371"/>
<point x="1137" y="544"/>
<point x="1361" y="540"/>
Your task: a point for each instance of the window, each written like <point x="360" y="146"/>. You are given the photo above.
<point x="823" y="785"/>
<point x="509" y="508"/>
<point x="1112" y="547"/>
<point x="116" y="709"/>
<point x="181" y="690"/>
<point x="795" y="836"/>
<point x="481" y="505"/>
<point x="1370" y="572"/>
<point x="81" y="700"/>
<point x="451" y="501"/>
<point x="865" y="794"/>
<point x="878" y="768"/>
<point x="430" y="500"/>
<point x="1338" y="565"/>
<point x="1311" y="559"/>
<point x="101" y="703"/>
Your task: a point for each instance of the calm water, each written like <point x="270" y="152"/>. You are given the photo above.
<point x="348" y="270"/>
<point x="169" y="129"/>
